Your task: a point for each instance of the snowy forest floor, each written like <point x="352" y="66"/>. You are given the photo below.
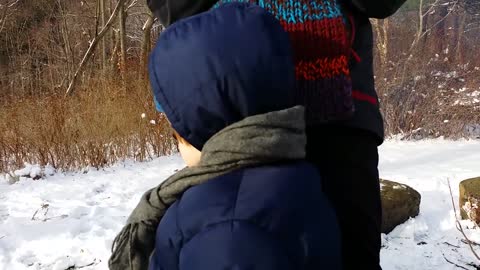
<point x="68" y="220"/>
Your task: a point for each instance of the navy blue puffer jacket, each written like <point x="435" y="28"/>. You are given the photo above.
<point x="265" y="218"/>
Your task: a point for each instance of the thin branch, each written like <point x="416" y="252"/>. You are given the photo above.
<point x="97" y="17"/>
<point x="450" y="262"/>
<point x="432" y="6"/>
<point x="448" y="244"/>
<point x="459" y="225"/>
<point x="13" y="4"/>
<point x="95" y="262"/>
<point x="55" y="217"/>
<point x="44" y="206"/>
<point x="474" y="265"/>
<point x="471" y="242"/>
<point x="90" y="264"/>
<point x="132" y="4"/>
<point x="471" y="29"/>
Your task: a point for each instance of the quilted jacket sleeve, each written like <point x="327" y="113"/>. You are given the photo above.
<point x="234" y="245"/>
<point x="379" y="9"/>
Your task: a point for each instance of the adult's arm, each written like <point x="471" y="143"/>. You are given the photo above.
<point x="379" y="9"/>
<point x="170" y="11"/>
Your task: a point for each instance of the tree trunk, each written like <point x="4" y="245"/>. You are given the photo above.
<point x="420" y="22"/>
<point x="114" y="58"/>
<point x="3" y="17"/>
<point x="381" y="34"/>
<point x="103" y="19"/>
<point x="424" y="35"/>
<point x="459" y="49"/>
<point x="440" y="30"/>
<point x="123" y="49"/>
<point x="385" y="26"/>
<point x="146" y="45"/>
<point x="67" y="48"/>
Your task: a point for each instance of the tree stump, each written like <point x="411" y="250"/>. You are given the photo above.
<point x="468" y="199"/>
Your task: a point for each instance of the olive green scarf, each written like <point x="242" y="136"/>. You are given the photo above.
<point x="256" y="140"/>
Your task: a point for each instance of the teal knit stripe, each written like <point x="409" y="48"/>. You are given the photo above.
<point x="294" y="11"/>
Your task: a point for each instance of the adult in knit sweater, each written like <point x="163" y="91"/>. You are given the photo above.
<point x="333" y="44"/>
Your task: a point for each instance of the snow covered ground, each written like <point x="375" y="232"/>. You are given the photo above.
<point x="428" y="240"/>
<point x="68" y="221"/>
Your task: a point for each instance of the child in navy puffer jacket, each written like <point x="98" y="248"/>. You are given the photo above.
<point x="248" y="199"/>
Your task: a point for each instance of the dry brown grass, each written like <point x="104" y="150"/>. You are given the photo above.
<point x="101" y="125"/>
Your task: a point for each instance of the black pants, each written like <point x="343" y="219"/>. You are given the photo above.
<point x="348" y="162"/>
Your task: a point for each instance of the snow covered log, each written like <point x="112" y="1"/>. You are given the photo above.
<point x="399" y="203"/>
<point x="469" y="197"/>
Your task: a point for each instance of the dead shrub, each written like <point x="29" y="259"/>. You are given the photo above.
<point x="99" y="126"/>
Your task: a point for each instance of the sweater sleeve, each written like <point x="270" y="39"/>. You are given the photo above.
<point x="379" y="9"/>
<point x="234" y="245"/>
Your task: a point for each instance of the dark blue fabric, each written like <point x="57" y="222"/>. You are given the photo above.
<point x="219" y="67"/>
<point x="265" y="218"/>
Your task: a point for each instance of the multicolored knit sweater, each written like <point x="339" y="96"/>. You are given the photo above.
<point x="367" y="113"/>
<point x="322" y="41"/>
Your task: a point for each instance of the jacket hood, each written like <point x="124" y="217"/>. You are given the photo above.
<point x="219" y="67"/>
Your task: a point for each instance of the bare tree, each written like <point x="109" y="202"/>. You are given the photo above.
<point x="122" y="37"/>
<point x="423" y="30"/>
<point x="67" y="47"/>
<point x="93" y="45"/>
<point x="5" y="12"/>
<point x="46" y="45"/>
<point x="146" y="43"/>
<point x="459" y="28"/>
<point x="103" y="19"/>
<point x="441" y="42"/>
<point x="422" y="16"/>
<point x="381" y="28"/>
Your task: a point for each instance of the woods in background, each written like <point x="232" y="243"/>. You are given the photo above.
<point x="44" y="42"/>
<point x="428" y="67"/>
<point x="426" y="59"/>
